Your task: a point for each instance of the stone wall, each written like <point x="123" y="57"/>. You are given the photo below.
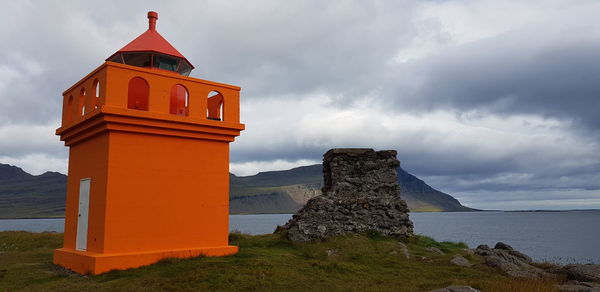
<point x="360" y="194"/>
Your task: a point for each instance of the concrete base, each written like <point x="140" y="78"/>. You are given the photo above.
<point x="84" y="262"/>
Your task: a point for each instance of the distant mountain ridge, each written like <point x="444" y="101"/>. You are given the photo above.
<point x="23" y="195"/>
<point x="26" y="195"/>
<point x="288" y="190"/>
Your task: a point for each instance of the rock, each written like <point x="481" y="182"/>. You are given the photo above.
<point x="510" y="261"/>
<point x="435" y="250"/>
<point x="460" y="261"/>
<point x="456" y="289"/>
<point x="520" y="255"/>
<point x="483" y="247"/>
<point x="554" y="269"/>
<point x="360" y="194"/>
<point x="502" y="245"/>
<point x="584" y="273"/>
<point x="575" y="286"/>
<point x="404" y="250"/>
<point x="469" y="251"/>
<point x="510" y="250"/>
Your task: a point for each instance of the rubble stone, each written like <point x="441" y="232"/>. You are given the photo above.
<point x="360" y="194"/>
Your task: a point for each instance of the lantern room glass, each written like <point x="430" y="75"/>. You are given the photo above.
<point x="165" y="62"/>
<point x="154" y="60"/>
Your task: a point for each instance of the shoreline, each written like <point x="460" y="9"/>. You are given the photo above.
<point x="473" y="228"/>
<point x="282" y="213"/>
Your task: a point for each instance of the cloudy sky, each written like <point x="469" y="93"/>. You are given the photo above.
<point x="494" y="102"/>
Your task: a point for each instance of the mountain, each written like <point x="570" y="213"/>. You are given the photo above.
<point x="421" y="197"/>
<point x="283" y="191"/>
<point x="26" y="195"/>
<point x="23" y="195"/>
<point x="288" y="190"/>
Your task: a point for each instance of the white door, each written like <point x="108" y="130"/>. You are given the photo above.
<point x="82" y="216"/>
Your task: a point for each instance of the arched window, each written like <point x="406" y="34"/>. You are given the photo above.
<point x="179" y="100"/>
<point x="81" y="104"/>
<point x="139" y="92"/>
<point x="69" y="110"/>
<point x="215" y="106"/>
<point x="97" y="87"/>
<point x="97" y="93"/>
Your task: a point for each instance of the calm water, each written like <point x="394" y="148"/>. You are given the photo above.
<point x="564" y="237"/>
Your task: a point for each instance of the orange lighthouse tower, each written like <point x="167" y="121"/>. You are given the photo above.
<point x="148" y="160"/>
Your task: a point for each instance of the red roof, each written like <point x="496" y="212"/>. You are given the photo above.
<point x="151" y="41"/>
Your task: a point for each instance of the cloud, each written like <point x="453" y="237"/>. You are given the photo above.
<point x="37" y="163"/>
<point x="480" y="98"/>
<point x="557" y="80"/>
<point x="24" y="139"/>
<point x="454" y="151"/>
<point x="528" y="58"/>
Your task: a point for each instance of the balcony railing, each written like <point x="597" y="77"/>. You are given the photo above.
<point x="152" y="90"/>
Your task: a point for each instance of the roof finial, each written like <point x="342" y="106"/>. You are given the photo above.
<point x="152" y="17"/>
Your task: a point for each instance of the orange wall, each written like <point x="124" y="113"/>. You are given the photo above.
<point x="88" y="158"/>
<point x="166" y="193"/>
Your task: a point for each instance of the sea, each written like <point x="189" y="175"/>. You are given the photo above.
<point x="561" y="237"/>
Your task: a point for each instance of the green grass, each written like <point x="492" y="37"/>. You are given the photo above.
<point x="369" y="262"/>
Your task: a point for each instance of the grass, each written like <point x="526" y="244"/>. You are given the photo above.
<point x="369" y="262"/>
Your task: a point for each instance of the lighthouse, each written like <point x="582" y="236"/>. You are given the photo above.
<point x="148" y="160"/>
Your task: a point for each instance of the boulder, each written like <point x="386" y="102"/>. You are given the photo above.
<point x="511" y="251"/>
<point x="460" y="261"/>
<point x="583" y="272"/>
<point x="502" y="245"/>
<point x="510" y="261"/>
<point x="360" y="194"/>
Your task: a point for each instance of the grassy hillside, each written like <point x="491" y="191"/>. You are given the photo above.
<point x="265" y="263"/>
<point x="312" y="174"/>
<point x="275" y="191"/>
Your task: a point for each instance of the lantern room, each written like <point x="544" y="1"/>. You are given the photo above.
<point x="151" y="50"/>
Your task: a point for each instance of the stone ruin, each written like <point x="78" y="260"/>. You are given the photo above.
<point x="360" y="194"/>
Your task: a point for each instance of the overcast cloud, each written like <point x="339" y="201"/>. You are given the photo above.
<point x="494" y="102"/>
